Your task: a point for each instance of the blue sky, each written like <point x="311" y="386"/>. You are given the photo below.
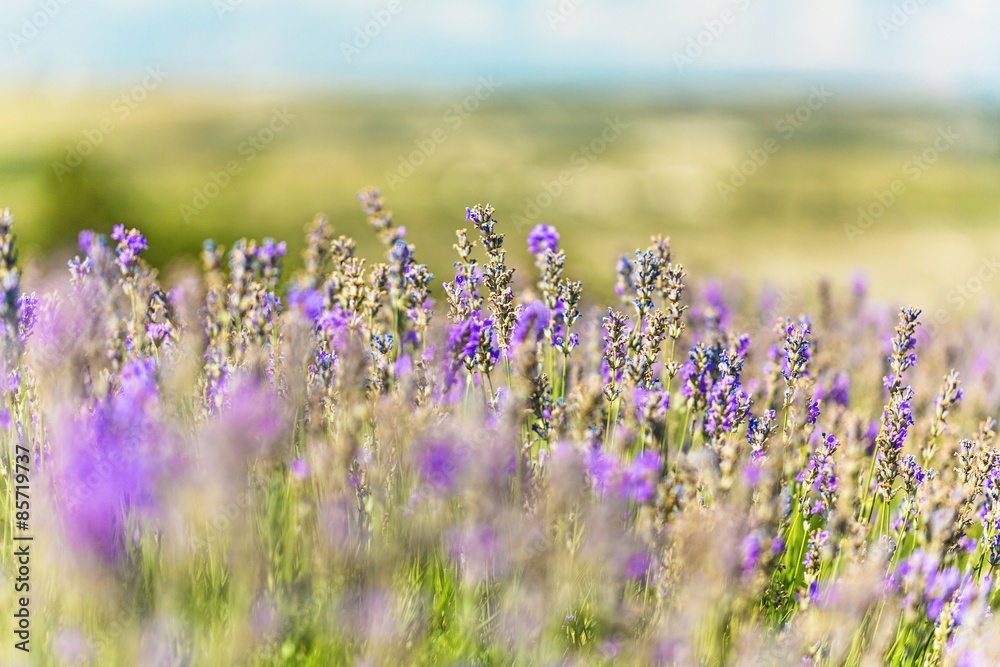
<point x="936" y="47"/>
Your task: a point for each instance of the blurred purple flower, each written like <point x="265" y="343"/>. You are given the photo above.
<point x="840" y="388"/>
<point x="637" y="565"/>
<point x="440" y="463"/>
<point x="299" y="469"/>
<point x="638" y="482"/>
<point x="112" y="459"/>
<point x="542" y="238"/>
<point x="532" y="322"/>
<point x="307" y="300"/>
<point x="601" y="468"/>
<point x="27" y="310"/>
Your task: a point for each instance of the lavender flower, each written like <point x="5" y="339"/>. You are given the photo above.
<point x="795" y="360"/>
<point x="638" y="482"/>
<point x="440" y="462"/>
<point x="728" y="406"/>
<point x="130" y="245"/>
<point x="27" y="308"/>
<point x="839" y="392"/>
<point x="811" y="564"/>
<point x="903" y="344"/>
<point x="699" y="373"/>
<point x="813" y="412"/>
<point x="615" y="355"/>
<point x="601" y="468"/>
<point x="819" y="479"/>
<point x="624" y="283"/>
<point x="896" y="420"/>
<point x="532" y="322"/>
<point x="716" y="313"/>
<point x="471" y="344"/>
<point x="110" y="464"/>
<point x="759" y="431"/>
<point x="542" y="239"/>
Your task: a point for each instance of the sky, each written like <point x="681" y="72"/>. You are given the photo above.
<point x="936" y="47"/>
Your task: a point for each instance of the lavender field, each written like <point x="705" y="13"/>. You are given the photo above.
<point x="364" y="463"/>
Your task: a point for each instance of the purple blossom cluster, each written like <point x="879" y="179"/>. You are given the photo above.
<point x="249" y="467"/>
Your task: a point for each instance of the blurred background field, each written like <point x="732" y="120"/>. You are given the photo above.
<point x="794" y="218"/>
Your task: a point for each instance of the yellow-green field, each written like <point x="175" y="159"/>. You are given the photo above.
<point x="660" y="173"/>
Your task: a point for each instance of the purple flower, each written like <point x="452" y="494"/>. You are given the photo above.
<point x="859" y="283"/>
<point x="532" y="322"/>
<point x="308" y="300"/>
<point x="759" y="429"/>
<point x="816" y="541"/>
<point x="624" y="284"/>
<point x="656" y="401"/>
<point x="638" y="482"/>
<point x="110" y="463"/>
<point x="271" y="251"/>
<point x="716" y="314"/>
<point x="470" y="344"/>
<point x="699" y="373"/>
<point x="814" y="591"/>
<point x="840" y="388"/>
<point x="85" y="241"/>
<point x="750" y="550"/>
<point x="601" y="468"/>
<point x="904" y="342"/>
<point x="158" y="331"/>
<point x="130" y="244"/>
<point x="813" y="410"/>
<point x="542" y="239"/>
<point x="637" y="565"/>
<point x="404" y="366"/>
<point x="299" y="469"/>
<point x="912" y="473"/>
<point x="79" y="268"/>
<point x="898" y="417"/>
<point x="334" y="323"/>
<point x="27" y="309"/>
<point x="819" y="479"/>
<point x="728" y="406"/>
<point x="795" y="360"/>
<point x="440" y="463"/>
